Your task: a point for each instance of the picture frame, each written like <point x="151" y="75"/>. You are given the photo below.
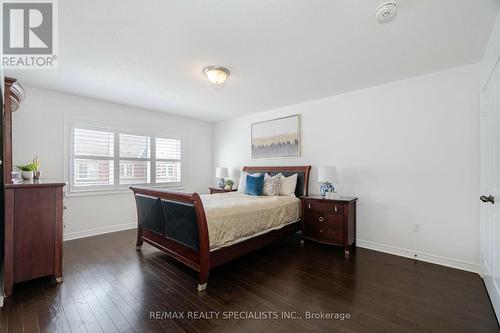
<point x="276" y="138"/>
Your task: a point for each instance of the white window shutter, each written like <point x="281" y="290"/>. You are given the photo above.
<point x="93" y="158"/>
<point x="168" y="160"/>
<point x="106" y="158"/>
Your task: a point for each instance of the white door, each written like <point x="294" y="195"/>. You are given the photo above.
<point x="490" y="187"/>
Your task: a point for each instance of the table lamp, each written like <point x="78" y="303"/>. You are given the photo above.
<point x="221" y="173"/>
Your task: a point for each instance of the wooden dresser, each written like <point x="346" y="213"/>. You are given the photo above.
<point x="33" y="232"/>
<point x="330" y="221"/>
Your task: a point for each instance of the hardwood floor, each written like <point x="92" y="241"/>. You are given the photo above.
<point x="109" y="287"/>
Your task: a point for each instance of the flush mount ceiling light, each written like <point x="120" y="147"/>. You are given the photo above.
<point x="386" y="12"/>
<point x="216" y="74"/>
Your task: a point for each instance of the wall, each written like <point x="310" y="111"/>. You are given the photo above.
<point x="39" y="129"/>
<point x="408" y="150"/>
<point x="491" y="53"/>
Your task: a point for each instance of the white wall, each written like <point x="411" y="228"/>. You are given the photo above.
<point x="39" y="129"/>
<point x="491" y="53"/>
<point x="408" y="150"/>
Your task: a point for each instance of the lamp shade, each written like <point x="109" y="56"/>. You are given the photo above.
<point x="234" y="173"/>
<point x="328" y="174"/>
<point x="221" y="172"/>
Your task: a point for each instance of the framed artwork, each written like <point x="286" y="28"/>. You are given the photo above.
<point x="276" y="138"/>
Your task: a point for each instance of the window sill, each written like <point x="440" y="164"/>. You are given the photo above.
<point x="119" y="191"/>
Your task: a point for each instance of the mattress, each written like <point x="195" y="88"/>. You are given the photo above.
<point x="233" y="217"/>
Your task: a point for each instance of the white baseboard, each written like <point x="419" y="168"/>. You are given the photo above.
<point x="422" y="256"/>
<point x="99" y="231"/>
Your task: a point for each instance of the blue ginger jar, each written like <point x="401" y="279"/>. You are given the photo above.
<point x="326" y="187"/>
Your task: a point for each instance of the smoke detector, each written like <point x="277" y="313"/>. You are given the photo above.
<point x="386" y="12"/>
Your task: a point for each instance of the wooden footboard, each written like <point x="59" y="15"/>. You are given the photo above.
<point x="176" y="224"/>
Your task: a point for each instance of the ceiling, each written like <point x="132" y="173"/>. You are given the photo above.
<point x="150" y="54"/>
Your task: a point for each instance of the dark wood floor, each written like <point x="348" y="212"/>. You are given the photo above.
<point x="109" y="287"/>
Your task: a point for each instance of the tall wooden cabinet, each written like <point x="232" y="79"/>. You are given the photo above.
<point x="33" y="223"/>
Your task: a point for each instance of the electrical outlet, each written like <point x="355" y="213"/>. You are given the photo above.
<point x="417" y="228"/>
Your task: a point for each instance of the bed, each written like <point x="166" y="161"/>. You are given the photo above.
<point x="205" y="231"/>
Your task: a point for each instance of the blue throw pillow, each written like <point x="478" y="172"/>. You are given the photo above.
<point x="255" y="184"/>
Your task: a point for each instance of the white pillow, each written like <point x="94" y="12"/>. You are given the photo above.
<point x="288" y="184"/>
<point x="242" y="185"/>
<point x="271" y="185"/>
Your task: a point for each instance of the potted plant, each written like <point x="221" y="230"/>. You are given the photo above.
<point x="228" y="185"/>
<point x="27" y="170"/>
<point x="37" y="172"/>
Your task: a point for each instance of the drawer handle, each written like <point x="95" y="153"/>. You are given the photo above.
<point x="335" y="208"/>
<point x="321" y="219"/>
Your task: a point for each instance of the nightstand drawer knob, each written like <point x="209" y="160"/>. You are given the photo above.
<point x="335" y="208"/>
<point x="321" y="218"/>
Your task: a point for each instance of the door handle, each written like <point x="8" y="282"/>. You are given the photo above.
<point x="489" y="198"/>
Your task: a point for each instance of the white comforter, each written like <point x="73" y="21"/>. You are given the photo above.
<point x="233" y="216"/>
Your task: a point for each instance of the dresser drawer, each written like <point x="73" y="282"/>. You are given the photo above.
<point x="324" y="206"/>
<point x="324" y="218"/>
<point x="326" y="233"/>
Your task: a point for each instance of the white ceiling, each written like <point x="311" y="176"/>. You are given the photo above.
<point x="150" y="54"/>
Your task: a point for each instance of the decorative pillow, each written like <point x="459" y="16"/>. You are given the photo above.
<point x="271" y="185"/>
<point x="242" y="185"/>
<point x="243" y="182"/>
<point x="254" y="185"/>
<point x="288" y="185"/>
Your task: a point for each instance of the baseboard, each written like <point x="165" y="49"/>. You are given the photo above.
<point x="99" y="231"/>
<point x="422" y="256"/>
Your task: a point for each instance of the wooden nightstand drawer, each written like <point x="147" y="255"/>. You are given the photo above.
<point x="320" y="218"/>
<point x="326" y="206"/>
<point x="326" y="233"/>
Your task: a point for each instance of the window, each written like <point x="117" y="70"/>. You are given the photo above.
<point x="168" y="160"/>
<point x="93" y="158"/>
<point x="103" y="158"/>
<point x="135" y="159"/>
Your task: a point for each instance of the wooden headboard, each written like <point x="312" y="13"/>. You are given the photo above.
<point x="302" y="172"/>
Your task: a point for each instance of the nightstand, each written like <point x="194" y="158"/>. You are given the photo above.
<point x="219" y="190"/>
<point x="329" y="221"/>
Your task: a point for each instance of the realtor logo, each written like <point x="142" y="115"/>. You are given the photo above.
<point x="29" y="34"/>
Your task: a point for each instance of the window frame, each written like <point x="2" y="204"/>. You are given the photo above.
<point x="116" y="186"/>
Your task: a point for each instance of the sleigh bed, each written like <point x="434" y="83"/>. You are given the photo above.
<point x="176" y="223"/>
